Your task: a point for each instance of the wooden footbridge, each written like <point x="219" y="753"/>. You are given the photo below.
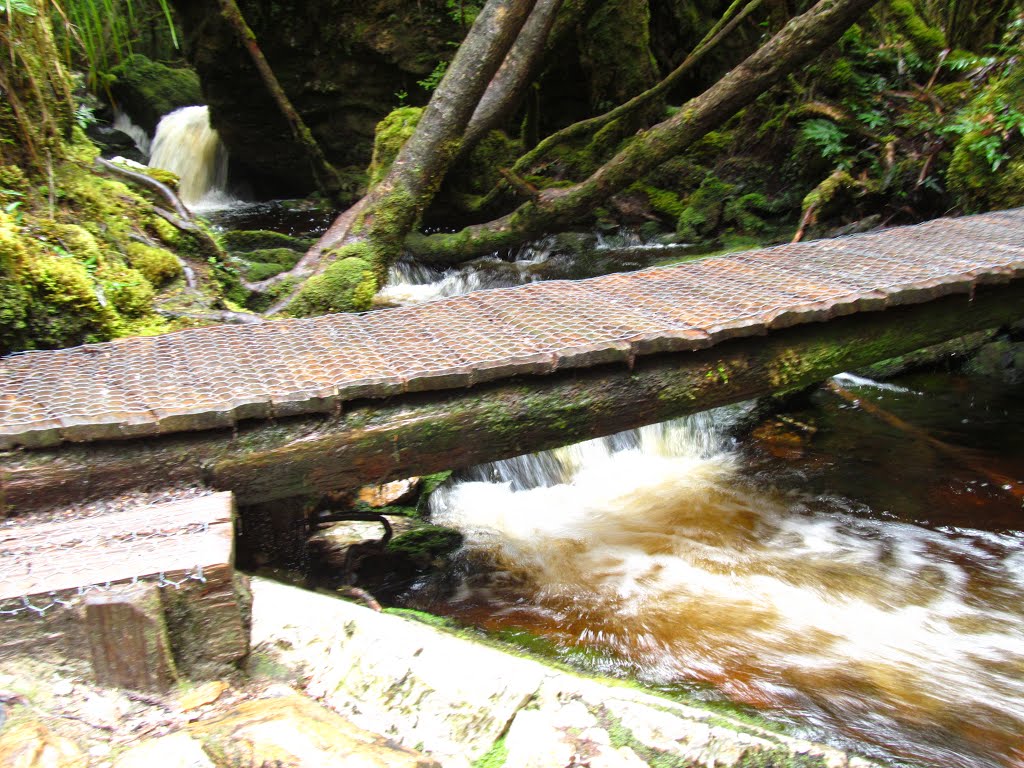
<point x="294" y="406"/>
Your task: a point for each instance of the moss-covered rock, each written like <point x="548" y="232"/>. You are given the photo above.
<point x="704" y="208"/>
<point x="424" y="545"/>
<point x="248" y="240"/>
<point x="347" y="285"/>
<point x="147" y="90"/>
<point x="158" y="265"/>
<point x="126" y="289"/>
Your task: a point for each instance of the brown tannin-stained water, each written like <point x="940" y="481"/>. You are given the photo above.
<point x="846" y="579"/>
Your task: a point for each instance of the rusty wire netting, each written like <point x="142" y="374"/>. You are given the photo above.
<point x="216" y="376"/>
<point x="44" y="566"/>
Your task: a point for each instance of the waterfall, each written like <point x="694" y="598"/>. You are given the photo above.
<point x="186" y="145"/>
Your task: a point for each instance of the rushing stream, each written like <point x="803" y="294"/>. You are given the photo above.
<point x="841" y="576"/>
<point x="786" y="573"/>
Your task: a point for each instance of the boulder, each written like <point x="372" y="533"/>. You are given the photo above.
<point x="147" y="90"/>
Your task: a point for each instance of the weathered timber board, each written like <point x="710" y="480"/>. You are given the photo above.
<point x="218" y="376"/>
<point x="178" y="539"/>
<point x="425" y="432"/>
<point x="183" y="549"/>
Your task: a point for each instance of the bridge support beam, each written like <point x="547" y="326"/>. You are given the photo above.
<point x="377" y="441"/>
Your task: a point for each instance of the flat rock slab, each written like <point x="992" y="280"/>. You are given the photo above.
<point x="294" y="732"/>
<point x="454" y="698"/>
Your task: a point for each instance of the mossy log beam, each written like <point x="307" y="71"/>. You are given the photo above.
<point x="414" y="434"/>
<point x="796" y="44"/>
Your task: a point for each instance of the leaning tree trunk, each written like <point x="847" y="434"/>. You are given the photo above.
<point x="797" y="43"/>
<point x="375" y="229"/>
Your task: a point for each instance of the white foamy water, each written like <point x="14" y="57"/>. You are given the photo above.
<point x="138" y="134"/>
<point x="651" y="546"/>
<point x="187" y="145"/>
<point x="412" y="283"/>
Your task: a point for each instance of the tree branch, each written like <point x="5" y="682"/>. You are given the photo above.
<point x="797" y="42"/>
<point x="323" y="172"/>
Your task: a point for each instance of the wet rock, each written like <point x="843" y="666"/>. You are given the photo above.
<point x="420" y="685"/>
<point x="30" y="744"/>
<point x="179" y="750"/>
<point x="397" y="492"/>
<point x="1002" y="360"/>
<point x="293" y="732"/>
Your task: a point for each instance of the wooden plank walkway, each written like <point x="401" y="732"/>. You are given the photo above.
<point x="214" y="377"/>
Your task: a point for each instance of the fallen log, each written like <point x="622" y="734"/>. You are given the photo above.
<point x="418" y="433"/>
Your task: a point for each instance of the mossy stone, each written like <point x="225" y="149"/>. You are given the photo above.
<point x="347" y="285"/>
<point x="158" y="265"/>
<point x="147" y="90"/>
<point x="248" y="240"/>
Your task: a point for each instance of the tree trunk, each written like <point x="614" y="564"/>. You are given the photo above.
<point x="798" y="42"/>
<point x="507" y="87"/>
<point x="324" y="174"/>
<point x="375" y="227"/>
<point x="414" y="434"/>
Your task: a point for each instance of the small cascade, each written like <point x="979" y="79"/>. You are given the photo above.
<point x="413" y="283"/>
<point x="138" y="134"/>
<point x="651" y="553"/>
<point x="186" y="145"/>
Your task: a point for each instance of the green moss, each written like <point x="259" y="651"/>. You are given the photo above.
<point x="249" y="240"/>
<point x="426" y="544"/>
<point x="495" y="757"/>
<point x="347" y="285"/>
<point x="63" y="307"/>
<point x="158" y="265"/>
<point x="164" y="230"/>
<point x="147" y="89"/>
<point x="13" y="179"/>
<point x="391" y="133"/>
<point x="73" y="239"/>
<point x="779" y="757"/>
<point x="127" y="289"/>
<point x="927" y="41"/>
<point x="704" y="208"/>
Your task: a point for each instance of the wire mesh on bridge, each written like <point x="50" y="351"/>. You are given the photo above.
<point x="213" y="377"/>
<point x="50" y="566"/>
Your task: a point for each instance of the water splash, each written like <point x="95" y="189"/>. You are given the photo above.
<point x="652" y="548"/>
<point x="123" y="123"/>
<point x="187" y="145"/>
<point x="413" y="283"/>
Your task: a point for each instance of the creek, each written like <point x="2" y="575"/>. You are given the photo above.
<point x="830" y="572"/>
